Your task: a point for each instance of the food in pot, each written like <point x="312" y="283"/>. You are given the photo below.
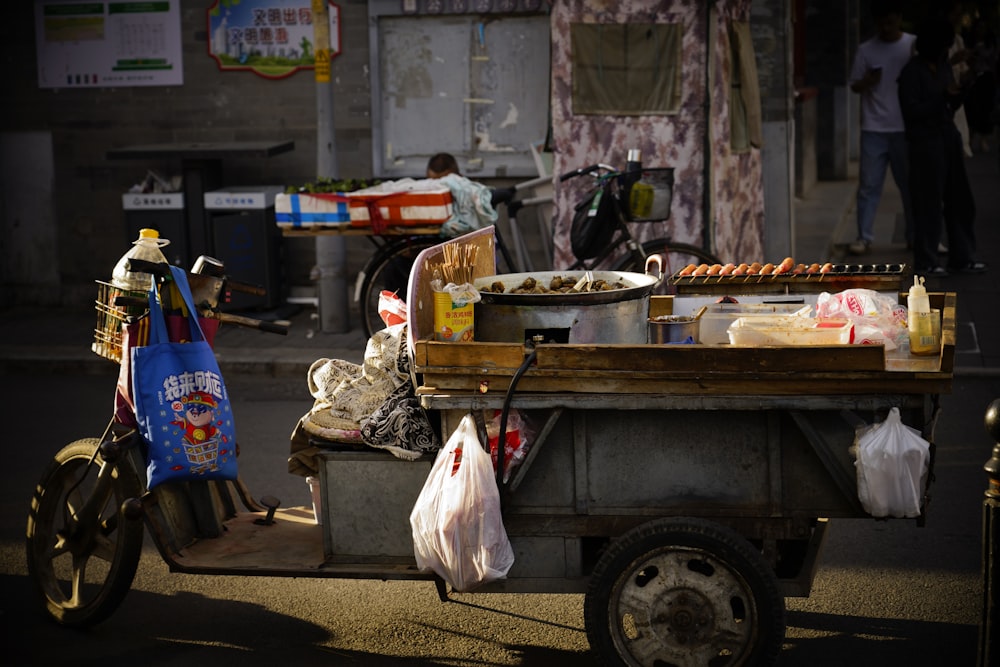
<point x="557" y="285"/>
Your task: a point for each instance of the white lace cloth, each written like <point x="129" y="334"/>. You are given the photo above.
<point x="352" y="391"/>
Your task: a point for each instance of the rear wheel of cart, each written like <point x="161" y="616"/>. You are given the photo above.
<point x="82" y="567"/>
<point x="684" y="592"/>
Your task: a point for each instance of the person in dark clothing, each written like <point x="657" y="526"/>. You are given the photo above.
<point x="980" y="98"/>
<point x="939" y="186"/>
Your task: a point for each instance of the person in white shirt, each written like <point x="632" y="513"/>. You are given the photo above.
<point x="876" y="67"/>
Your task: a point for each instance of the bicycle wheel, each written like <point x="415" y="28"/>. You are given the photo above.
<point x="675" y="257"/>
<point x="388" y="269"/>
<point x="82" y="566"/>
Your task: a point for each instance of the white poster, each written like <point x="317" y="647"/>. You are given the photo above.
<point x="108" y="44"/>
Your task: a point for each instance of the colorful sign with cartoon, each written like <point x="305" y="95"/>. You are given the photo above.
<point x="272" y="38"/>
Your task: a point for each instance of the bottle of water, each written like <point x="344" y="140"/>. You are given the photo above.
<point x="146" y="247"/>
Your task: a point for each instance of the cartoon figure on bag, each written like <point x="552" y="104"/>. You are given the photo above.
<point x="194" y="415"/>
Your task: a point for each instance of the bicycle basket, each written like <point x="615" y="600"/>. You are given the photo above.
<point x="108" y="332"/>
<point x="648" y="198"/>
<point x="593" y="222"/>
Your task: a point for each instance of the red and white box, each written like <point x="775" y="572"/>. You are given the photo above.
<point x="406" y="203"/>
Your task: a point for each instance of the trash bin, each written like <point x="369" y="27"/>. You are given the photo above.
<point x="247" y="240"/>
<point x="163" y="212"/>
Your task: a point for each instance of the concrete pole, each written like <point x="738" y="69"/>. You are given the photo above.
<point x="331" y="251"/>
<point x="989" y="630"/>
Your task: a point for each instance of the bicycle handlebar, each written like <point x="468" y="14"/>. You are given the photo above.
<point x="162" y="270"/>
<point x="263" y="325"/>
<point x="588" y="170"/>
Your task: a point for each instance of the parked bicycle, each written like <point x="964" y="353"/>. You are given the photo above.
<point x="601" y="234"/>
<point x="630" y="197"/>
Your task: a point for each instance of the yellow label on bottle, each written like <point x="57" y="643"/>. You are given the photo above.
<point x="640" y="200"/>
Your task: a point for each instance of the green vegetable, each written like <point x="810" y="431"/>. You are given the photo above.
<point x="324" y="185"/>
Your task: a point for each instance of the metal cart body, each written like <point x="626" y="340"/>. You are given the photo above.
<point x="684" y="489"/>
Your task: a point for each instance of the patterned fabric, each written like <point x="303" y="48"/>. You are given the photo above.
<point x="352" y="391"/>
<point x="371" y="403"/>
<point x="401" y="427"/>
<point x="735" y="185"/>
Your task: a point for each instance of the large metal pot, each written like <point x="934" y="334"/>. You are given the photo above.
<point x="612" y="316"/>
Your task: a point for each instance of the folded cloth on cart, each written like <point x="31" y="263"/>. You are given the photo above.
<point x="352" y="400"/>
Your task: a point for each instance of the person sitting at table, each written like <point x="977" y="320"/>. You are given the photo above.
<point x="472" y="202"/>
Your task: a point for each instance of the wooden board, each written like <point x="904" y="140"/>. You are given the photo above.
<point x="686" y="369"/>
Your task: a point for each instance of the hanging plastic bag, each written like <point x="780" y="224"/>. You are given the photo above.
<point x="892" y="463"/>
<point x="519" y="438"/>
<point x="457" y="528"/>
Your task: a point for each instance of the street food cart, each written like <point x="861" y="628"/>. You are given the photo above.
<point x="685" y="490"/>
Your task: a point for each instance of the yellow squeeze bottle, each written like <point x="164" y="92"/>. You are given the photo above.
<point x="921" y="329"/>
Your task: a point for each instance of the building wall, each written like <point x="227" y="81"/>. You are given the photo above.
<point x="211" y="106"/>
<point x="78" y="207"/>
<point x="729" y="218"/>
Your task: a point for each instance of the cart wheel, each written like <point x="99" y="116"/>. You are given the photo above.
<point x="82" y="570"/>
<point x="684" y="592"/>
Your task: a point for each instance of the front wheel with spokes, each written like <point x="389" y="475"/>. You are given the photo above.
<point x="82" y="550"/>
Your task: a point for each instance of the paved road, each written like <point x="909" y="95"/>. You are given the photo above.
<point x="887" y="592"/>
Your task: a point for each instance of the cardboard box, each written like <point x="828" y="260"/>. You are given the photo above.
<point x="400" y="209"/>
<point x="312" y="210"/>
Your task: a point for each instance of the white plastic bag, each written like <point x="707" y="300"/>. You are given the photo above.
<point x="877" y="319"/>
<point x="892" y="462"/>
<point x="457" y="526"/>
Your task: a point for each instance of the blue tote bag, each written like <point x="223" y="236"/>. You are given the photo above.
<point x="181" y="404"/>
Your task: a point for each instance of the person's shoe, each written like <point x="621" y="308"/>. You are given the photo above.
<point x="942" y="249"/>
<point x="860" y="247"/>
<point x="932" y="272"/>
<point x="971" y="267"/>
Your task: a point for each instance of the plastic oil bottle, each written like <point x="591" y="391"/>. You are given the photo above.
<point x="146" y="247"/>
<point x="923" y="341"/>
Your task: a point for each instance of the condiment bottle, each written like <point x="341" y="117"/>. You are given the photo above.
<point x="146" y="247"/>
<point x="921" y="329"/>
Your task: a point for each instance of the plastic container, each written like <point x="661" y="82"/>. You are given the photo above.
<point x="716" y="320"/>
<point x="146" y="247"/>
<point x="779" y="331"/>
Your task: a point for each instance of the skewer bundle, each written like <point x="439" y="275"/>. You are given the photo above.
<point x="458" y="264"/>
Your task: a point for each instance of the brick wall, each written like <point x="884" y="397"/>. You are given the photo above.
<point x="211" y="105"/>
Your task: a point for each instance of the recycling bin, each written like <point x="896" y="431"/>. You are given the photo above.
<point x="163" y="212"/>
<point x="247" y="240"/>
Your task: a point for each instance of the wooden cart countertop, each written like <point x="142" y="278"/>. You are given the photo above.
<point x="690" y="369"/>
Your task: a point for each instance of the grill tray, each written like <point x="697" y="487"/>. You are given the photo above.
<point x="877" y="277"/>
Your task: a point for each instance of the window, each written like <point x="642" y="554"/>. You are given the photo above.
<point x="627" y="69"/>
